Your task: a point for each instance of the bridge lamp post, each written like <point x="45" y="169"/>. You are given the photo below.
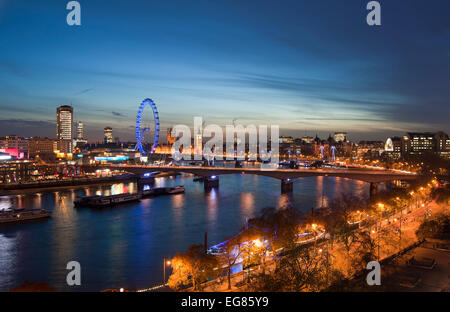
<point x="168" y="263"/>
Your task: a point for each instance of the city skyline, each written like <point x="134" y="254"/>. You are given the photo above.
<point x="301" y="71"/>
<point x="216" y="154"/>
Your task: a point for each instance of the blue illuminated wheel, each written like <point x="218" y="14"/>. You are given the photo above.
<point x="140" y="131"/>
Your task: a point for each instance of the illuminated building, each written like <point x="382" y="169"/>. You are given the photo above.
<point x="15" y="142"/>
<point x="111" y="158"/>
<point x="406" y="146"/>
<point x="15" y="171"/>
<point x="42" y="146"/>
<point x="170" y="139"/>
<point x="286" y="140"/>
<point x="307" y="139"/>
<point x="64" y="124"/>
<point x="421" y="142"/>
<point x="442" y="144"/>
<point x="48" y="147"/>
<point x="79" y="140"/>
<point x="340" y="137"/>
<point x="415" y="143"/>
<point x="11" y="152"/>
<point x="5" y="156"/>
<point x="107" y="132"/>
<point x="393" y="147"/>
<point x="370" y="149"/>
<point x="80" y="127"/>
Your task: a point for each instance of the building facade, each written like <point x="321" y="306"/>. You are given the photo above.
<point x="15" y="142"/>
<point x="340" y="137"/>
<point x="80" y="130"/>
<point x="79" y="140"/>
<point x="64" y="124"/>
<point x="48" y="147"/>
<point x="417" y="143"/>
<point x="442" y="144"/>
<point x="108" y="135"/>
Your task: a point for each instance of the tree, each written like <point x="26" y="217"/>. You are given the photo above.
<point x="338" y="219"/>
<point x="282" y="225"/>
<point x="192" y="266"/>
<point x="442" y="195"/>
<point x="253" y="246"/>
<point x="232" y="253"/>
<point x="303" y="269"/>
<point x="363" y="251"/>
<point x="438" y="227"/>
<point x="250" y="257"/>
<point x="250" y="246"/>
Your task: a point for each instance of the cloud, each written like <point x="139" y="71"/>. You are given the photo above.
<point x="84" y="91"/>
<point x="24" y="127"/>
<point x="12" y="68"/>
<point x="118" y="114"/>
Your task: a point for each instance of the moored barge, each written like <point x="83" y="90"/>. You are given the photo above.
<point x="163" y="191"/>
<point x="104" y="201"/>
<point x="13" y="216"/>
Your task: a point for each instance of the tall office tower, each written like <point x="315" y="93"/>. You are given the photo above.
<point x="80" y="130"/>
<point x="64" y="124"/>
<point x="108" y="135"/>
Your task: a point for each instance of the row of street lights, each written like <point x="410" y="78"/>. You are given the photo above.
<point x="258" y="243"/>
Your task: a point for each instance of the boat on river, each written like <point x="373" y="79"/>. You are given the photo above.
<point x="108" y="200"/>
<point x="84" y="200"/>
<point x="163" y="191"/>
<point x="175" y="190"/>
<point x="14" y="216"/>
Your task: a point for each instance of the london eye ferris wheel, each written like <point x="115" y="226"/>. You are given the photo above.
<point x="143" y="128"/>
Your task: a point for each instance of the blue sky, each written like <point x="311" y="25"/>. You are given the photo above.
<point x="308" y="66"/>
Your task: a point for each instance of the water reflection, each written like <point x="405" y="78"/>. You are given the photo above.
<point x="177" y="207"/>
<point x="7" y="258"/>
<point x="5" y="203"/>
<point x="247" y="204"/>
<point x="285" y="200"/>
<point x="123" y="246"/>
<point x="320" y="192"/>
<point x="211" y="205"/>
<point x="160" y="182"/>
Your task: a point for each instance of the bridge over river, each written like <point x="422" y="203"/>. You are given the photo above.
<point x="286" y="176"/>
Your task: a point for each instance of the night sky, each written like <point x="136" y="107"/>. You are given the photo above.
<point x="308" y="66"/>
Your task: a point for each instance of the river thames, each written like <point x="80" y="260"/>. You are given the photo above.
<point x="124" y="246"/>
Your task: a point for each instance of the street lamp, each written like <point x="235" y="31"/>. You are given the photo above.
<point x="258" y="243"/>
<point x="168" y="263"/>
